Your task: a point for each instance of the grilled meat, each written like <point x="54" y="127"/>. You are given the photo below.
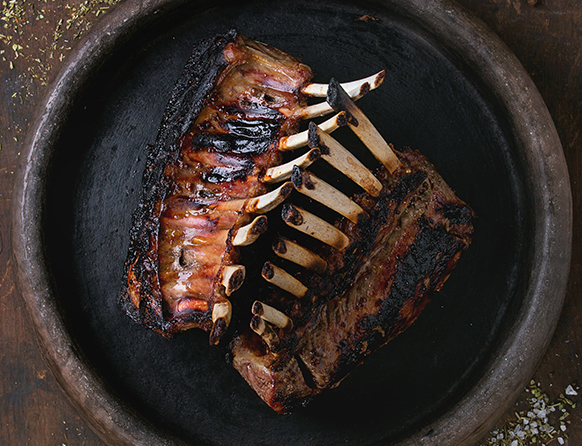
<point x="397" y="260"/>
<point x="235" y="100"/>
<point x="212" y="173"/>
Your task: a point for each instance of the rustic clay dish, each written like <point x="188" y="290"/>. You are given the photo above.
<point x="453" y="90"/>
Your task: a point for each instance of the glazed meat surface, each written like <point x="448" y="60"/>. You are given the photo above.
<point x="234" y="101"/>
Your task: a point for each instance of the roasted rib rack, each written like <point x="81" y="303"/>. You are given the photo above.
<point x="219" y="175"/>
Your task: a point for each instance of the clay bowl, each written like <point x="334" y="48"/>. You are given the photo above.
<point x="453" y="90"/>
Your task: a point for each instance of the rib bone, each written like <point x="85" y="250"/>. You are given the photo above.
<point x="314" y="226"/>
<point x="343" y="160"/>
<point x="221" y="315"/>
<point x="283" y="171"/>
<point x="289" y="250"/>
<point x="233" y="277"/>
<point x="281" y="278"/>
<point x="259" y="326"/>
<point x="292" y="142"/>
<point x="269" y="201"/>
<point x="361" y="126"/>
<point x="245" y="235"/>
<point x="314" y="187"/>
<point x="353" y="88"/>
<point x="272" y="315"/>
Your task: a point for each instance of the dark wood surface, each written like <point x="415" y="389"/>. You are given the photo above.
<point x="35" y="38"/>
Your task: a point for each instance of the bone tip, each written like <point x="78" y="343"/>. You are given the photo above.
<point x="291" y="215"/>
<point x="218" y="330"/>
<point x="260" y="226"/>
<point x="312" y="137"/>
<point x="255" y="322"/>
<point x="364" y="89"/>
<point x="268" y="272"/>
<point x="314" y="154"/>
<point x="257" y="308"/>
<point x="286" y="189"/>
<point x="380" y="78"/>
<point x="237" y="279"/>
<point x="279" y="246"/>
<point x="297" y="177"/>
<point x="334" y="93"/>
<point x="343" y="118"/>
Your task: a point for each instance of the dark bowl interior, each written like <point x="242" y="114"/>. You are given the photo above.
<point x="431" y="101"/>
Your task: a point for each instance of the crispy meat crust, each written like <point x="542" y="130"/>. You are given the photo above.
<point x="397" y="260"/>
<point x="235" y="100"/>
<point x="230" y="108"/>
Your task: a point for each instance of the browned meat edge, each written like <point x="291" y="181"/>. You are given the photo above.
<point x="418" y="230"/>
<point x="188" y="97"/>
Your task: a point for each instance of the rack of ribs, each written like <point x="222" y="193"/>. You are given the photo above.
<point x="216" y="174"/>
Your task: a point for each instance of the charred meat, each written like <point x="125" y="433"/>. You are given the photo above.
<point x="215" y="176"/>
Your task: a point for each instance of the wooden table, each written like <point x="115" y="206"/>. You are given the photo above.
<point x="546" y="36"/>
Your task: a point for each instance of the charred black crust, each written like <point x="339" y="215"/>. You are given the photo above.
<point x="218" y="331"/>
<point x="267" y="270"/>
<point x="342" y="119"/>
<point x="418" y="275"/>
<point x="419" y="272"/>
<point x="290" y="214"/>
<point x="257" y="309"/>
<point x="279" y="246"/>
<point x="313" y="140"/>
<point x="188" y="97"/>
<point x="458" y="215"/>
<point x="244" y="136"/>
<point x="261" y="226"/>
<point x="364" y="89"/>
<point x="297" y="177"/>
<point x="334" y="97"/>
<point x="407" y="184"/>
<point x="255" y="322"/>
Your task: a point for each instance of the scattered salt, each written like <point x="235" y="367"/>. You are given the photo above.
<point x="570" y="390"/>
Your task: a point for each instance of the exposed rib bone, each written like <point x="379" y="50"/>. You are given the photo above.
<point x="281" y="278"/>
<point x="361" y="126"/>
<point x="272" y="315"/>
<point x="297" y="140"/>
<point x="233" y="276"/>
<point x="261" y="328"/>
<point x="314" y="226"/>
<point x="245" y="235"/>
<point x="343" y="160"/>
<point x="314" y="187"/>
<point x="314" y="111"/>
<point x="289" y="250"/>
<point x="353" y="88"/>
<point x="222" y="310"/>
<point x="221" y="315"/>
<point x="267" y="202"/>
<point x="283" y="171"/>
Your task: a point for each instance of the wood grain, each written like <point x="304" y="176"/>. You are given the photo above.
<point x="545" y="35"/>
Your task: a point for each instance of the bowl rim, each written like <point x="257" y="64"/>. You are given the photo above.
<point x="537" y="141"/>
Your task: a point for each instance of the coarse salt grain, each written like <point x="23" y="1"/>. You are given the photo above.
<point x="570" y="390"/>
